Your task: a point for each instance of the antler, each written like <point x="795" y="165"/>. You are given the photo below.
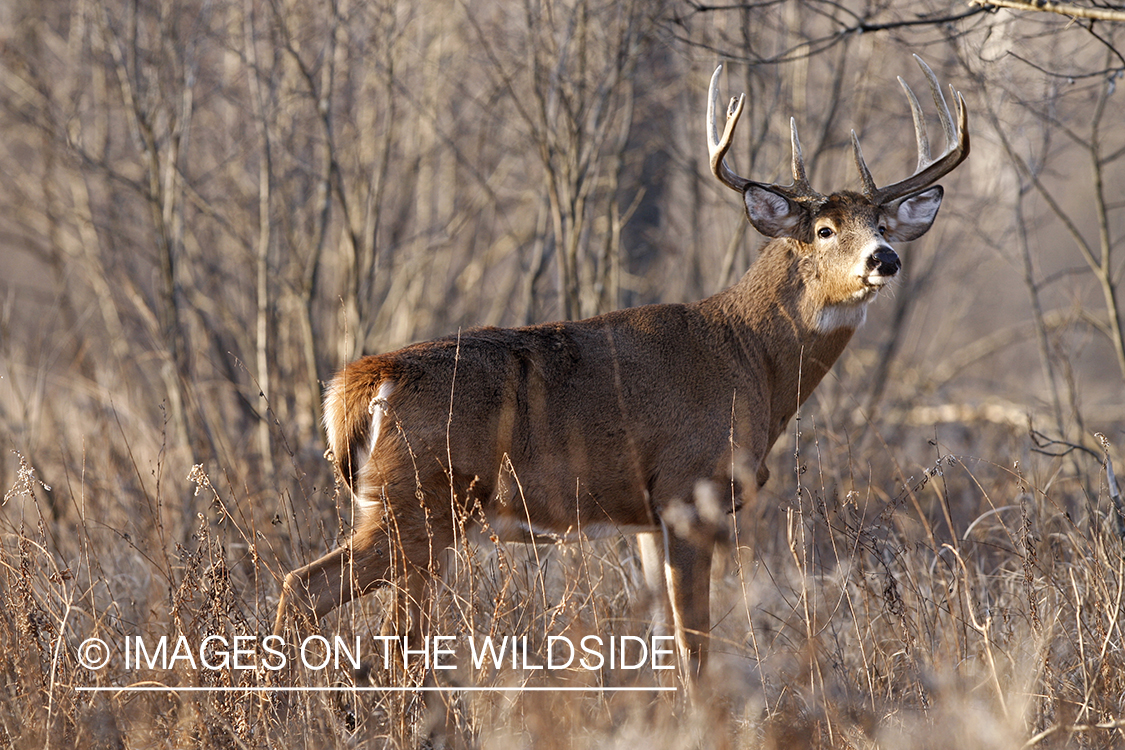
<point x="718" y="145"/>
<point x="928" y="170"/>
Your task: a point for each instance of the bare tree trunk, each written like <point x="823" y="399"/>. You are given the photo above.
<point x="262" y="265"/>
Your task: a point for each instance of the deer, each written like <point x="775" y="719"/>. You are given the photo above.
<point x="611" y="425"/>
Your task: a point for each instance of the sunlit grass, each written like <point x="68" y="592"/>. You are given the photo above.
<point x="845" y="615"/>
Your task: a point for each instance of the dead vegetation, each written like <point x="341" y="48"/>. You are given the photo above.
<point x="959" y="603"/>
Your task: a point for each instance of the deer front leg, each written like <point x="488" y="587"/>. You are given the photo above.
<point x="650" y="547"/>
<point x="687" y="569"/>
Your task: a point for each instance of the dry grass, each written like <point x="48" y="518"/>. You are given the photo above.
<point x="846" y="615"/>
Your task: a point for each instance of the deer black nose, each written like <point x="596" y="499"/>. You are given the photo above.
<point x="885" y="261"/>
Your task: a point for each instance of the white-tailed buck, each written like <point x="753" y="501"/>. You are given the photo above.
<point x="607" y="426"/>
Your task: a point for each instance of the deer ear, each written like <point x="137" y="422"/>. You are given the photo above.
<point x="770" y="212"/>
<point x="911" y="217"/>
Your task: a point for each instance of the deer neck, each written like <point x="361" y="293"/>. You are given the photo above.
<point x="778" y="316"/>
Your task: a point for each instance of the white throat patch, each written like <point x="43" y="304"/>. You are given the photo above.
<point x="845" y="315"/>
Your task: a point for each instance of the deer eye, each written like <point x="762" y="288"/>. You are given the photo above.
<point x="882" y="230"/>
<point x="824" y="233"/>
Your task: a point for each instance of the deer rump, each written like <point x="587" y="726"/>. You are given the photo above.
<point x="542" y="433"/>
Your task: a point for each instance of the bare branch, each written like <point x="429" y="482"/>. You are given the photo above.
<point x="1047" y="6"/>
<point x="812" y="47"/>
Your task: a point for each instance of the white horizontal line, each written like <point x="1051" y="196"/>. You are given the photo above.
<point x="526" y="689"/>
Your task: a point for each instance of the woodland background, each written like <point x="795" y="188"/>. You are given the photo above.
<point x="208" y="206"/>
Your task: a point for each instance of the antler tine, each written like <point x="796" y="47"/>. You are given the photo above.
<point x="869" y="188"/>
<point x="920" y="134"/>
<point x="799" y="177"/>
<point x="717" y="144"/>
<point x="939" y="100"/>
<point x="801" y="187"/>
<point x="928" y="170"/>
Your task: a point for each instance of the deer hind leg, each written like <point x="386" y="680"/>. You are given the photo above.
<point x="420" y="529"/>
<point x="688" y="571"/>
<point x="404" y="527"/>
<point x="349" y="571"/>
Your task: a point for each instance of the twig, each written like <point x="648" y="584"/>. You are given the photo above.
<point x="1113" y="724"/>
<point x="1042" y="443"/>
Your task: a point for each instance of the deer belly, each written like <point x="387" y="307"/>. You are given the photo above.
<point x="511" y="529"/>
<point x="529" y="513"/>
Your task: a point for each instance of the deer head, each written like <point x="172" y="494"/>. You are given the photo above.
<point x="845" y="237"/>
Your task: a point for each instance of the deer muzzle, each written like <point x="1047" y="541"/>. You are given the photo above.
<point x="882" y="265"/>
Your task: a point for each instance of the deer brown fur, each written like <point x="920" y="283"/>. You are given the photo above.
<point x="601" y="426"/>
